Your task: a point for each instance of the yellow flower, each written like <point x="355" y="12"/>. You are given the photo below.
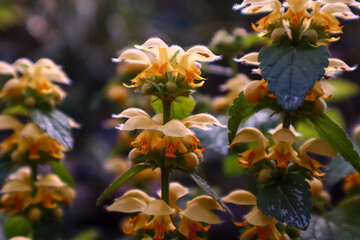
<point x="17" y="192"/>
<point x="138" y="201"/>
<point x="28" y="139"/>
<point x="167" y="59"/>
<point x="282" y="151"/>
<point x="174" y="136"/>
<point x="317" y="146"/>
<point x="254" y="155"/>
<point x="352" y="181"/>
<point x="263" y="226"/>
<point x="51" y="190"/>
<point x="39" y="76"/>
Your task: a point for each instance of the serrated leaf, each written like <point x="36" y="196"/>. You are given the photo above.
<point x="56" y="124"/>
<point x="342" y="223"/>
<point x="205" y="186"/>
<point x="120" y="181"/>
<point x="291" y="71"/>
<point x="60" y="170"/>
<point x="239" y="112"/>
<point x="288" y="201"/>
<point x="181" y="107"/>
<point x="338" y="170"/>
<point x="336" y="136"/>
<point x="16" y="110"/>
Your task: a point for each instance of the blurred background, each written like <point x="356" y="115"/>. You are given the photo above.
<point x="83" y="35"/>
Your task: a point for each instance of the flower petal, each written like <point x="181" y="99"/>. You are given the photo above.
<point x="158" y="208"/>
<point x="8" y="122"/>
<point x="50" y="180"/>
<point x="175" y="128"/>
<point x="6" y="69"/>
<point x="201" y="54"/>
<point x="201" y="209"/>
<point x="250" y="58"/>
<point x="250" y="134"/>
<point x="132" y="201"/>
<point x="201" y="121"/>
<point x="31" y="130"/>
<point x="138" y="122"/>
<point x="131" y="112"/>
<point x="336" y="64"/>
<point x="318" y="146"/>
<point x="240" y="197"/>
<point x="15" y="186"/>
<point x="176" y="191"/>
<point x="133" y="56"/>
<point x="257" y="218"/>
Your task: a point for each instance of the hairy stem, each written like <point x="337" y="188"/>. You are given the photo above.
<point x="165" y="172"/>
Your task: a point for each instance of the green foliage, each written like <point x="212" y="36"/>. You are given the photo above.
<point x="291" y="71"/>
<point x="342" y="223"/>
<point x="338" y="170"/>
<point x="181" y="107"/>
<point x="16" y="110"/>
<point x="88" y="234"/>
<point x="205" y="186"/>
<point x="48" y="227"/>
<point x="59" y="169"/>
<point x="56" y="124"/>
<point x="288" y="201"/>
<point x="231" y="168"/>
<point x="335" y="135"/>
<point x="17" y="226"/>
<point x="239" y="112"/>
<point x="342" y="89"/>
<point x="120" y="181"/>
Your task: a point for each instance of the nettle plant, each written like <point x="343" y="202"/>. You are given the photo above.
<point x="40" y="135"/>
<point x="289" y="168"/>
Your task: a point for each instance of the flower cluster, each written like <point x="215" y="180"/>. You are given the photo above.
<point x="282" y="152"/>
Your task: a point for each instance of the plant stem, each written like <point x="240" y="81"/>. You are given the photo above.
<point x="165" y="172"/>
<point x="34" y="177"/>
<point x="233" y="66"/>
<point x="287" y="120"/>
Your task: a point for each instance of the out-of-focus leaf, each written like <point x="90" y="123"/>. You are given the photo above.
<point x="342" y="223"/>
<point x="120" y="181"/>
<point x="288" y="201"/>
<point x="88" y="234"/>
<point x="231" y="168"/>
<point x="335" y="135"/>
<point x="17" y="225"/>
<point x="291" y="71"/>
<point x="15" y="110"/>
<point x="181" y="107"/>
<point x="60" y="170"/>
<point x="56" y="124"/>
<point x="342" y="89"/>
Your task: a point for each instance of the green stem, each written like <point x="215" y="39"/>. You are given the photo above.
<point x="287" y="120"/>
<point x="34" y="173"/>
<point x="165" y="172"/>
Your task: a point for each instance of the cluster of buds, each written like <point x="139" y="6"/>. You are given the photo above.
<point x="32" y="85"/>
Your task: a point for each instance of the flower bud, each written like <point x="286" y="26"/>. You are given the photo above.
<point x="265" y="175"/>
<point x="30" y="102"/>
<point x="325" y="195"/>
<point x="171" y="87"/>
<point x="13" y="87"/>
<point x="117" y="93"/>
<point x="356" y="133"/>
<point x="16" y="157"/>
<point x="255" y="90"/>
<point x="277" y="35"/>
<point x="320" y="106"/>
<point x="146" y="88"/>
<point x="316" y="187"/>
<point x="58" y="212"/>
<point x="191" y="160"/>
<point x="200" y="156"/>
<point x="285" y="237"/>
<point x="311" y="35"/>
<point x="34" y="214"/>
<point x="133" y="154"/>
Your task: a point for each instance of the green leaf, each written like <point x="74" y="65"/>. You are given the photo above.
<point x="88" y="234"/>
<point x="338" y="170"/>
<point x="16" y="110"/>
<point x="239" y="112"/>
<point x="17" y="226"/>
<point x="231" y="168"/>
<point x="205" y="186"/>
<point x="59" y="169"/>
<point x="342" y="223"/>
<point x="56" y="124"/>
<point x="288" y="201"/>
<point x="120" y="181"/>
<point x="342" y="89"/>
<point x="181" y="107"/>
<point x="335" y="135"/>
<point x="291" y="71"/>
